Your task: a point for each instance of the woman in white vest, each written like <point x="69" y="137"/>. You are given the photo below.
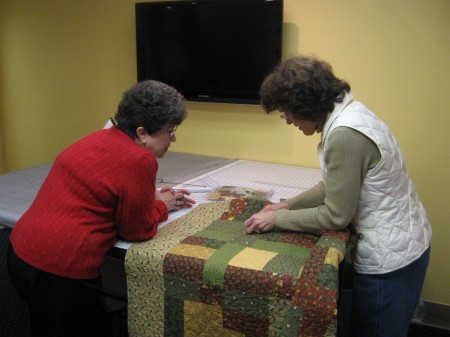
<point x="365" y="183"/>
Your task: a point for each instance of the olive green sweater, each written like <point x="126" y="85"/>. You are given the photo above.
<point x="331" y="204"/>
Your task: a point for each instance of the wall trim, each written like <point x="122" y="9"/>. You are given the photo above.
<point x="432" y="314"/>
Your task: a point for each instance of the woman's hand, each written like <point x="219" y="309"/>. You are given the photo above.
<point x="260" y="222"/>
<point x="174" y="199"/>
<point x="264" y="221"/>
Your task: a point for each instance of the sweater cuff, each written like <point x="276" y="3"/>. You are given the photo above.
<point x="161" y="208"/>
<point x="296" y="220"/>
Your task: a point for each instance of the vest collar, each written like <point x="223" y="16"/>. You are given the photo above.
<point x="338" y="108"/>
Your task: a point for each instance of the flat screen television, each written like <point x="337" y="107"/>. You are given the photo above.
<point x="209" y="50"/>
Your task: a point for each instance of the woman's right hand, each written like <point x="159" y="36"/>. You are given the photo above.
<point x="264" y="220"/>
<point x="174" y="199"/>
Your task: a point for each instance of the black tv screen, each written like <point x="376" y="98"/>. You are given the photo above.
<point x="209" y="50"/>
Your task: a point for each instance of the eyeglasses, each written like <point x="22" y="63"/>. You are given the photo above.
<point x="172" y="132"/>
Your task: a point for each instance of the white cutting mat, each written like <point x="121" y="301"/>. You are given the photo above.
<point x="284" y="181"/>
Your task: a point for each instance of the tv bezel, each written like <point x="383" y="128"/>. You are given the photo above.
<point x="203" y="95"/>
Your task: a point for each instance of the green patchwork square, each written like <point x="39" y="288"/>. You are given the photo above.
<point x="173" y="316"/>
<point x="215" y="267"/>
<point x="282" y="248"/>
<point x="179" y="288"/>
<point x="244" y="240"/>
<point x="215" y="235"/>
<point x="246" y="303"/>
<point x="284" y="318"/>
<point x="226" y="226"/>
<point x="328" y="276"/>
<point x="213" y="243"/>
<point x="330" y="241"/>
<point x="285" y="264"/>
<point x="269" y="236"/>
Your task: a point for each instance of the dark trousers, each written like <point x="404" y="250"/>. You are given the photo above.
<point x="383" y="305"/>
<point x="59" y="306"/>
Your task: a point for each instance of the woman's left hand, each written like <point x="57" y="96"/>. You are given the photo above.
<point x="263" y="221"/>
<point x="174" y="199"/>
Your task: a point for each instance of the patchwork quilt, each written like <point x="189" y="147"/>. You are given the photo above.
<point x="203" y="275"/>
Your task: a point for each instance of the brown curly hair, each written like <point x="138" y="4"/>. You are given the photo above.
<point x="303" y="86"/>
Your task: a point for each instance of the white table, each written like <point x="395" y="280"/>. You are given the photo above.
<point x="19" y="188"/>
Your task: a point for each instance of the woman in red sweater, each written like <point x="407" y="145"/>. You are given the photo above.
<point x="99" y="189"/>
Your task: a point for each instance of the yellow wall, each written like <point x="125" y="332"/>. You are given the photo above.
<point x="65" y="64"/>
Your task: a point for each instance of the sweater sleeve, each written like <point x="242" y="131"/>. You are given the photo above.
<point x="313" y="197"/>
<point x="138" y="213"/>
<point x="331" y="205"/>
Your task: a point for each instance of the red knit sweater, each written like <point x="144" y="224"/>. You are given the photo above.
<point x="99" y="188"/>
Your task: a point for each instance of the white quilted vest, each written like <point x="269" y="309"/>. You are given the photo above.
<point x="391" y="223"/>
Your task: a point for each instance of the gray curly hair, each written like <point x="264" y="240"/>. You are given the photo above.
<point x="152" y="105"/>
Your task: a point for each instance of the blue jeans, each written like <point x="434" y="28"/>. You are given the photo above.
<point x="384" y="304"/>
